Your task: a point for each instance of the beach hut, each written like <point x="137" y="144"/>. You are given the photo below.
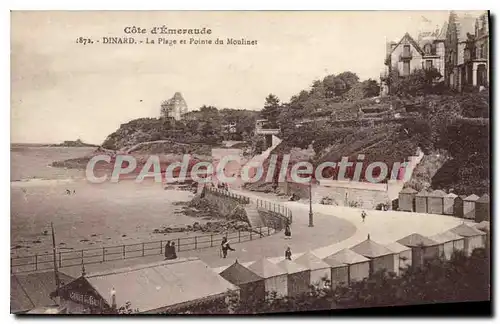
<point x="407" y="199"/>
<point x="473" y="237"/>
<point x="299" y="277"/>
<point x="358" y="265"/>
<point x="380" y="256"/>
<point x="470" y="206"/>
<point x="402" y="258"/>
<point x="320" y="272"/>
<point x="339" y="273"/>
<point x="275" y="278"/>
<point x="483" y="208"/>
<point x="421" y="248"/>
<point x="421" y="202"/>
<point x="165" y="287"/>
<point x="484" y="226"/>
<point x="450" y="242"/>
<point x="452" y="205"/>
<point x="435" y="202"/>
<point x="251" y="285"/>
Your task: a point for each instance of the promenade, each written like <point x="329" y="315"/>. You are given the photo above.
<point x="335" y="228"/>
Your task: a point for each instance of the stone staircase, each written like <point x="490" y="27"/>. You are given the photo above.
<point x="253" y="216"/>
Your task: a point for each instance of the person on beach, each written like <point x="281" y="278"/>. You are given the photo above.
<point x="363" y="215"/>
<point x="225" y="247"/>
<point x="288" y="232"/>
<point x="288" y="254"/>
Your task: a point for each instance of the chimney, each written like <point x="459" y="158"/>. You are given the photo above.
<point x="113" y="298"/>
<point x="83" y="269"/>
<point x="368" y="236"/>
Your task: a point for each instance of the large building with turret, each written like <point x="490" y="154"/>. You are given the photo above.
<point x="174" y="107"/>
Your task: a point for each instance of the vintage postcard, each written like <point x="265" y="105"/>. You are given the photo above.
<point x="249" y="162"/>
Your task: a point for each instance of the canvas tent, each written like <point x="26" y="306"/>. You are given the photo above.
<point x="380" y="256"/>
<point x="163" y="287"/>
<point x="407" y="199"/>
<point x="402" y="258"/>
<point x="251" y="285"/>
<point x="421" y="202"/>
<point x="275" y="278"/>
<point x="449" y="243"/>
<point x="358" y="265"/>
<point x="299" y="277"/>
<point x="469" y="204"/>
<point x="339" y="272"/>
<point x="435" y="202"/>
<point x="421" y="248"/>
<point x="320" y="272"/>
<point x="483" y="208"/>
<point x="484" y="226"/>
<point x="473" y="237"/>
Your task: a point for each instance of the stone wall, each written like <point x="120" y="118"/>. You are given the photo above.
<point x="272" y="219"/>
<point x="354" y="197"/>
<point x="226" y="202"/>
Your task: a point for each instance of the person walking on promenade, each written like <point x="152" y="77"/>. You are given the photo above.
<point x="225" y="246"/>
<point x="288" y="232"/>
<point x="363" y="215"/>
<point x="288" y="254"/>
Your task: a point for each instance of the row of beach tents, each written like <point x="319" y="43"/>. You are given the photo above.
<point x="439" y="202"/>
<point x="293" y="277"/>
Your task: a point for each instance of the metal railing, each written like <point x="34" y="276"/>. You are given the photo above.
<point x="280" y="210"/>
<point x="45" y="261"/>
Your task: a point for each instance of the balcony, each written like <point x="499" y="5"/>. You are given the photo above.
<point x="405" y="56"/>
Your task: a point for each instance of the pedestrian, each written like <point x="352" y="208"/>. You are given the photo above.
<point x="225" y="247"/>
<point x="288" y="232"/>
<point x="173" y="254"/>
<point x="288" y="254"/>
<point x="363" y="215"/>
<point x="167" y="250"/>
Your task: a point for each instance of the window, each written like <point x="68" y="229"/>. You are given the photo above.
<point x="406" y="68"/>
<point x="428" y="49"/>
<point x="406" y="50"/>
<point x="428" y="64"/>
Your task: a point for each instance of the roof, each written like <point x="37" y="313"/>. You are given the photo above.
<point x="484" y="199"/>
<point x="444" y="237"/>
<point x="466" y="231"/>
<point x="345" y="256"/>
<point x="408" y="190"/>
<point x="483" y="226"/>
<point x="451" y="195"/>
<point x="472" y="197"/>
<point x="161" y="284"/>
<point x="437" y="193"/>
<point x="415" y="239"/>
<point x="466" y="23"/>
<point x="266" y="269"/>
<point x="32" y="290"/>
<point x="397" y="247"/>
<point x="239" y="275"/>
<point x="423" y="193"/>
<point x="292" y="267"/>
<point x="442" y="33"/>
<point x="412" y="42"/>
<point x="370" y="249"/>
<point x="311" y="261"/>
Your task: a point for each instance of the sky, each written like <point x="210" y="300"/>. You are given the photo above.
<point x="61" y="90"/>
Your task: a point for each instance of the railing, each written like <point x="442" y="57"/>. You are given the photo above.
<point x="45" y="261"/>
<point x="276" y="208"/>
<point x="226" y="193"/>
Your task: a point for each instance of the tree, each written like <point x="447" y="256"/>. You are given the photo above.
<point x="271" y="110"/>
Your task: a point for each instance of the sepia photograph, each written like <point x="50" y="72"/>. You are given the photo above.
<point x="249" y="162"/>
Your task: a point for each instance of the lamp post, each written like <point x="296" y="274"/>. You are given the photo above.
<point x="311" y="224"/>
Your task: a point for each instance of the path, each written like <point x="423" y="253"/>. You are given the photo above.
<point x="335" y="228"/>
